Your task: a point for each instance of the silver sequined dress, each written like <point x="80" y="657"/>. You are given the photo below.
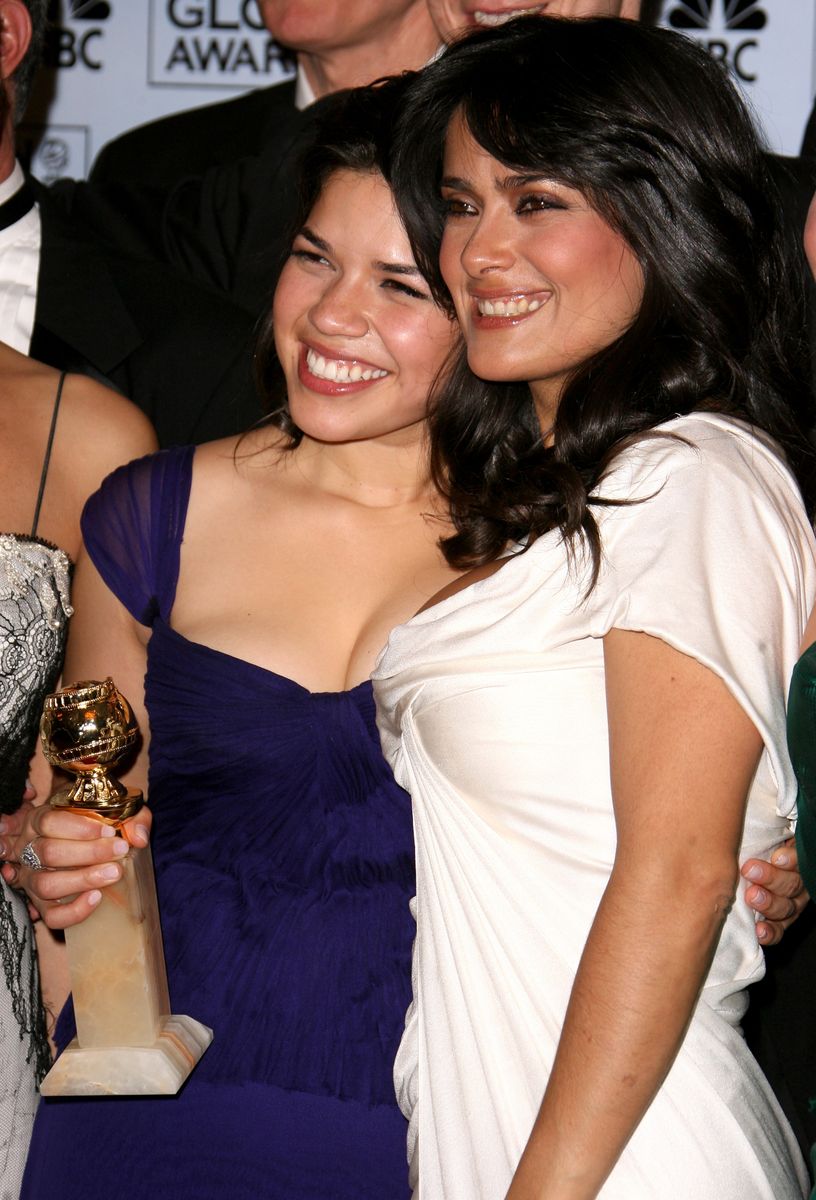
<point x="34" y="609"/>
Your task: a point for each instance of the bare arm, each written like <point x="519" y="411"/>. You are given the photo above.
<point x="104" y="640"/>
<point x="683" y="754"/>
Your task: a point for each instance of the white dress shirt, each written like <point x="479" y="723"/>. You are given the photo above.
<point x="304" y="92"/>
<point x="19" y="267"/>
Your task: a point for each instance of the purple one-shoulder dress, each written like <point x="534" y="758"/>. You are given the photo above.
<point x="284" y="864"/>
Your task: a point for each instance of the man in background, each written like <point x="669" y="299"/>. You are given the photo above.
<point x="335" y="45"/>
<point x="70" y="301"/>
<point x="229" y="229"/>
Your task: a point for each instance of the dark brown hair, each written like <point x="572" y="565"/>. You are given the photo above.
<point x="648" y="127"/>
<point x="348" y="131"/>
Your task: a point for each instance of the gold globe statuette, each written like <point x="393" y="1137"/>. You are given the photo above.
<point x="128" y="1042"/>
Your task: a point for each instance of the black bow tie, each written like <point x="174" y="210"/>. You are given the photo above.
<point x="16" y="207"/>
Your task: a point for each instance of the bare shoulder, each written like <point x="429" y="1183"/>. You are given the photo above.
<point x="238" y="459"/>
<point x="100" y="429"/>
<point x="234" y="480"/>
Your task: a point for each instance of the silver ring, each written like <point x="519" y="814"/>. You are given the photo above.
<point x="30" y="858"/>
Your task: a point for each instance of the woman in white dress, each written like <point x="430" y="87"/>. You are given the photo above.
<point x="591" y="721"/>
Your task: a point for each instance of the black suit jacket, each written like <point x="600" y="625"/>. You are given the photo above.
<point x="226" y="228"/>
<point x="179" y="352"/>
<point x="230" y="228"/>
<point x="164" y="152"/>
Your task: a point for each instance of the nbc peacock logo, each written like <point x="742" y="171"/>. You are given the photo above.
<point x="90" y="10"/>
<point x="725" y="28"/>
<point x="700" y="15"/>
<point x="75" y="34"/>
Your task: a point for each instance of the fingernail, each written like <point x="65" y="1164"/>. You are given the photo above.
<point x="4" y="825"/>
<point x="140" y="835"/>
<point x="781" y="858"/>
<point x="108" y="831"/>
<point x="94" y="898"/>
<point x="120" y="847"/>
<point x="3" y="851"/>
<point x="762" y="932"/>
<point x="754" y="872"/>
<point x="109" y="871"/>
<point x="760" y="896"/>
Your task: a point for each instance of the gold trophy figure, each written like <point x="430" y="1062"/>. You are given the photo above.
<point x="127" y="1041"/>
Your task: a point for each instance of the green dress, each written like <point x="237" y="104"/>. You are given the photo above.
<point x="802" y="746"/>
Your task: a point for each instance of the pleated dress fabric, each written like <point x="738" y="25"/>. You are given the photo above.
<point x="493" y="714"/>
<point x="284" y="866"/>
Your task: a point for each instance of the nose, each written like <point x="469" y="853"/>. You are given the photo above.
<point x="489" y="247"/>
<point x="340" y="309"/>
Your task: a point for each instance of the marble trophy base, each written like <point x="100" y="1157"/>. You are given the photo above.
<point x="157" y="1070"/>
<point x="128" y="1042"/>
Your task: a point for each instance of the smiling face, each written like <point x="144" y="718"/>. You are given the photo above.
<point x="357" y="333"/>
<point x="455" y="17"/>
<point x="540" y="281"/>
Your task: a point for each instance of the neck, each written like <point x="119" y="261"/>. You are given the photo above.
<point x="545" y="399"/>
<point x="7" y="154"/>
<point x="374" y="474"/>
<point x="402" y="46"/>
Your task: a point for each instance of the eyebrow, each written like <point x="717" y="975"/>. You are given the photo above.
<point x="397" y="268"/>
<point x="388" y="267"/>
<point x="312" y="237"/>
<point x="508" y="184"/>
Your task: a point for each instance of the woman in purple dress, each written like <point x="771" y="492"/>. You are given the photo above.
<point x="250" y="583"/>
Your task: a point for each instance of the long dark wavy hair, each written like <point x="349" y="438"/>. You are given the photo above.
<point x="648" y="127"/>
<point x="348" y="131"/>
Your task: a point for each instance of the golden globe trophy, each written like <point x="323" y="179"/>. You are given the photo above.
<point x="127" y="1041"/>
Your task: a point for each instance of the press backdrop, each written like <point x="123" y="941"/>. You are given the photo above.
<point x="112" y="64"/>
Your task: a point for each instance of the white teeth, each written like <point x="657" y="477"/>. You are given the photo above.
<point x="507" y="308"/>
<point x="494" y="18"/>
<point x="338" y="370"/>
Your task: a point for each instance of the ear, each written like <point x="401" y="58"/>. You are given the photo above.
<point x="15" y="35"/>
<point x="810" y="237"/>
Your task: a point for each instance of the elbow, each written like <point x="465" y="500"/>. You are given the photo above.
<point x="703" y="887"/>
<point x="708" y="891"/>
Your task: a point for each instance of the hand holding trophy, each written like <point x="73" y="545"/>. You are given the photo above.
<point x="127" y="1041"/>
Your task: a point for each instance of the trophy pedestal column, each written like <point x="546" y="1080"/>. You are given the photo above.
<point x="127" y="1042"/>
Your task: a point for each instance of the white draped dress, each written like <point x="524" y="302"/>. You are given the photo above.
<point x="492" y="714"/>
